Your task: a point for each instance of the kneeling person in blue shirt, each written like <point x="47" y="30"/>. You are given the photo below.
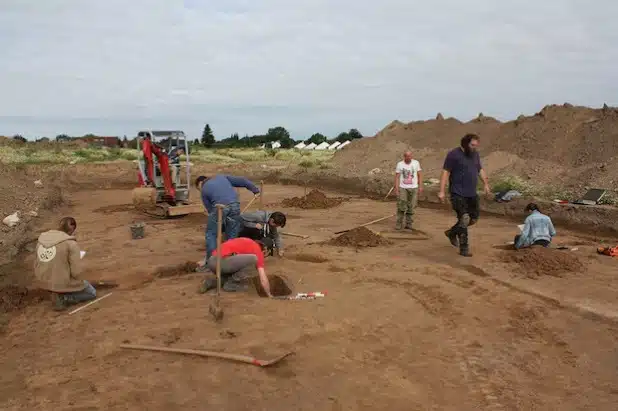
<point x="538" y="229"/>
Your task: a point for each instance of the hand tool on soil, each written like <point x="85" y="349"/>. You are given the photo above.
<point x="104" y="285"/>
<point x="249" y="205"/>
<point x="389" y="192"/>
<point x="234" y="357"/>
<point x="215" y="310"/>
<point x="294" y="235"/>
<point x="89" y="304"/>
<point x="366" y="224"/>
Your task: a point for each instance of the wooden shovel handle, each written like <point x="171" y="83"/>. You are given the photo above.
<point x="235" y="357"/>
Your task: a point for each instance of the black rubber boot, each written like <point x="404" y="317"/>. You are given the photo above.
<point x="465" y="252"/>
<point x="452" y="238"/>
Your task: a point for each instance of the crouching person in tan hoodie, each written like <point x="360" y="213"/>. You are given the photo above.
<point x="57" y="266"/>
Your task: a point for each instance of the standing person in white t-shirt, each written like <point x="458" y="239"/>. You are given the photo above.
<point x="408" y="184"/>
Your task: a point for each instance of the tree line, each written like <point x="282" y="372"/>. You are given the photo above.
<point x="274" y="134"/>
<point x="208" y="140"/>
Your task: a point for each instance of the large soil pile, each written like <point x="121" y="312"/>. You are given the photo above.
<point x="539" y="261"/>
<point x="563" y="145"/>
<point x="359" y="237"/>
<point x="314" y="199"/>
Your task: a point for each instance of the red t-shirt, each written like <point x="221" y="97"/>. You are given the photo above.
<point x="242" y="245"/>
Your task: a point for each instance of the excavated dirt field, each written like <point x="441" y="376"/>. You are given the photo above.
<point x="405" y="326"/>
<point x="314" y="199"/>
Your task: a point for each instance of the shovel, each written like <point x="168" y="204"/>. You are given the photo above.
<point x="233" y="357"/>
<point x="215" y="309"/>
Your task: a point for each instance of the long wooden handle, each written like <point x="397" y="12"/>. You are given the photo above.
<point x="249" y="205"/>
<point x="202" y="353"/>
<point x="366" y="224"/>
<point x="261" y="194"/>
<point x="389" y="192"/>
<point x="219" y="235"/>
<point x="293" y="234"/>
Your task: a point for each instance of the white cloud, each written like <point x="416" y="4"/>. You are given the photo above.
<point x="112" y="67"/>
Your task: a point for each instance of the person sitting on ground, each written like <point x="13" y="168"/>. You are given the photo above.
<point x="538" y="229"/>
<point x="239" y="257"/>
<point x="57" y="266"/>
<point x="264" y="224"/>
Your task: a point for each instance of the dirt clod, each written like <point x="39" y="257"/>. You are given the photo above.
<point x="314" y="199"/>
<point x="539" y="261"/>
<point x="176" y="269"/>
<point x="360" y="237"/>
<point x="14" y="298"/>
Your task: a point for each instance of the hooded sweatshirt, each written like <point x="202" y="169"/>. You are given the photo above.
<point x="57" y="265"/>
<point x="250" y="220"/>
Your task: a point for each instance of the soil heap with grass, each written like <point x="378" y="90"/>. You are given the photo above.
<point x="564" y="146"/>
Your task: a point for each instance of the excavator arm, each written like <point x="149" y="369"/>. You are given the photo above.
<point x="149" y="149"/>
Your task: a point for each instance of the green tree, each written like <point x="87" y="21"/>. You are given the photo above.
<point x="317" y="138"/>
<point x="19" y="137"/>
<point x="208" y="138"/>
<point x="354" y="134"/>
<point x="62" y="137"/>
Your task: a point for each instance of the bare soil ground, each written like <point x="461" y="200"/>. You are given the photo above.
<point x="408" y="325"/>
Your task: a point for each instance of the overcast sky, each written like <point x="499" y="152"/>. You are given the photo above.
<point x="113" y="67"/>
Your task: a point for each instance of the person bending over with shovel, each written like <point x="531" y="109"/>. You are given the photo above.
<point x="57" y="266"/>
<point x="239" y="258"/>
<point x="220" y="190"/>
<point x="264" y="224"/>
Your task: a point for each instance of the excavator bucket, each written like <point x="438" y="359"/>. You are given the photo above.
<point x="144" y="196"/>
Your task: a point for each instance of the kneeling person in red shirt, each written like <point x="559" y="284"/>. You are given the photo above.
<point x="239" y="257"/>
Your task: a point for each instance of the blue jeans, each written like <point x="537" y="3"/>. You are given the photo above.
<point x="87" y="294"/>
<point x="231" y="225"/>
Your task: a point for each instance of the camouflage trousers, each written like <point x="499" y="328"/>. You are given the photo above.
<point x="406" y="204"/>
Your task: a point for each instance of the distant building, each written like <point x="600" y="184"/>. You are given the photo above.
<point x="322" y="146"/>
<point x="276" y="145"/>
<point x="334" y="145"/>
<point x="300" y="145"/>
<point x="100" y="141"/>
<point x="342" y="145"/>
<point x="310" y="146"/>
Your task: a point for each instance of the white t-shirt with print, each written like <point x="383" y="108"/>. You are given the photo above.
<point x="408" y="173"/>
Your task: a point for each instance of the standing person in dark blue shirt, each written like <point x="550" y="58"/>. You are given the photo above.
<point x="220" y="190"/>
<point x="462" y="167"/>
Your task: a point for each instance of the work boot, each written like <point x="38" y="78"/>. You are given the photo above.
<point x="399" y="223"/>
<point x="452" y="238"/>
<point x="209" y="283"/>
<point x="465" y="252"/>
<point x="59" y="303"/>
<point x="409" y="225"/>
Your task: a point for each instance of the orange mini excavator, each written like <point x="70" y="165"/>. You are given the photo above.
<point x="160" y="182"/>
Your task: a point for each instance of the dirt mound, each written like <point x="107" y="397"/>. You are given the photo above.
<point x="13" y="298"/>
<point x="359" y="237"/>
<point x="176" y="269"/>
<point x="579" y="144"/>
<point x="314" y="199"/>
<point x="539" y="261"/>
